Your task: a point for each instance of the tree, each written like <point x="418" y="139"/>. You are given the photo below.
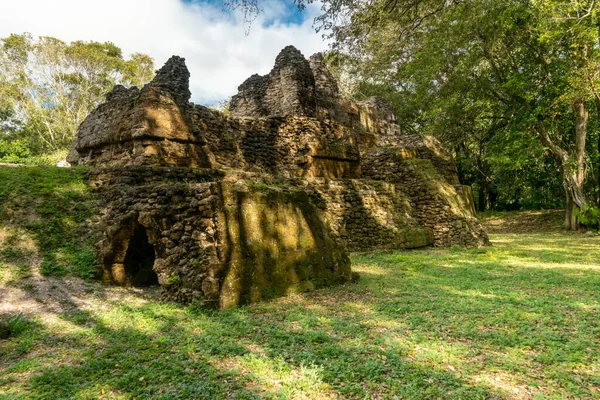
<point x="48" y="87"/>
<point x="483" y="71"/>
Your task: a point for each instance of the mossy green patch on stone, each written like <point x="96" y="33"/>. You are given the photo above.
<point x="276" y="244"/>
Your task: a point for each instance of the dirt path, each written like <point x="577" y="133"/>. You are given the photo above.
<point x="47" y="298"/>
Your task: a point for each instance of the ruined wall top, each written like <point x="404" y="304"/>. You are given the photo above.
<point x="175" y="77"/>
<point x="289" y="89"/>
<point x="291" y="121"/>
<point x="325" y="84"/>
<point x="297" y="86"/>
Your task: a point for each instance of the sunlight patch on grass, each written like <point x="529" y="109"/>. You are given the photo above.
<point x="266" y="375"/>
<point x="370" y="269"/>
<point x="503" y="384"/>
<point x="458" y="323"/>
<point x="519" y="262"/>
<point x="470" y="293"/>
<point x="71" y="188"/>
<point x="588" y="307"/>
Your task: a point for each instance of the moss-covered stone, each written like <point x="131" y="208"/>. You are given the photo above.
<point x="275" y="244"/>
<point x="267" y="200"/>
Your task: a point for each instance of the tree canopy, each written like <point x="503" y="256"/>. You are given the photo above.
<point x="506" y="84"/>
<point x="47" y="88"/>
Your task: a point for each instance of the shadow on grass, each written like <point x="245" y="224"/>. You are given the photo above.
<point x="394" y="334"/>
<point x="519" y="319"/>
<point x="163" y="351"/>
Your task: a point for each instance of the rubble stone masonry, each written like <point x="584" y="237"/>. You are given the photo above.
<point x="268" y="199"/>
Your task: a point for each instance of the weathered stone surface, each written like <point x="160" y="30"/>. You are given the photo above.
<point x="237" y="208"/>
<point x="152" y="126"/>
<point x="329" y="104"/>
<point x="440" y="203"/>
<point x="227" y="242"/>
<point x="326" y="86"/>
<point x="379" y="118"/>
<point x="289" y="89"/>
<point x="175" y="78"/>
<point x="367" y="214"/>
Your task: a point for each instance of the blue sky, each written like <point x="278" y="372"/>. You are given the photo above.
<point x="288" y="12"/>
<point x="217" y="50"/>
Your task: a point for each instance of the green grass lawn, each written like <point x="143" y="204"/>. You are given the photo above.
<point x="44" y="218"/>
<point x="520" y="319"/>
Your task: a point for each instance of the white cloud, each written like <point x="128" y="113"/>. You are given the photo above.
<point x="217" y="51"/>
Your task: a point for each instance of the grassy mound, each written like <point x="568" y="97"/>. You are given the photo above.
<point x="43" y="214"/>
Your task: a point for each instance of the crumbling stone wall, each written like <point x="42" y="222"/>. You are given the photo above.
<point x="288" y="146"/>
<point x="368" y="215"/>
<point x="151" y="126"/>
<point x="156" y="126"/>
<point x="440" y="207"/>
<point x="266" y="201"/>
<point x="289" y="89"/>
<point x="226" y="242"/>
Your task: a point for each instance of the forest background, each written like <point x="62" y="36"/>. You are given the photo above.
<point x="510" y="87"/>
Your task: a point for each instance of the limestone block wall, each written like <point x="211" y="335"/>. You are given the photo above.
<point x="224" y="242"/>
<point x="428" y="148"/>
<point x="369" y="215"/>
<point x="104" y="178"/>
<point x="276" y="243"/>
<point x="378" y="118"/>
<point x="287" y="146"/>
<point x="440" y="207"/>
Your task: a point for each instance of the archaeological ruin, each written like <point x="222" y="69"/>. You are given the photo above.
<point x="268" y="198"/>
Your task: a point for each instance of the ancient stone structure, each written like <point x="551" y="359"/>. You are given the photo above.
<point x="264" y="201"/>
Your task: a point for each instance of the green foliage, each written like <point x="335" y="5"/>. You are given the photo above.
<point x="84" y="262"/>
<point x="47" y="88"/>
<point x="587" y="216"/>
<point x="455" y="248"/>
<point x="18" y="324"/>
<point x="13" y="151"/>
<point x="51" y="268"/>
<point x="490" y="78"/>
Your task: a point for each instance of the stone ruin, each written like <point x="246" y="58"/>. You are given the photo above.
<point x="266" y="199"/>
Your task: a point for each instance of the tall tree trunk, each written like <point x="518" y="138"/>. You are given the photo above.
<point x="570" y="208"/>
<point x="581" y="120"/>
<point x="573" y="168"/>
<point x="481" y="195"/>
<point x="598" y="156"/>
<point x="492" y="196"/>
<point x="484" y="183"/>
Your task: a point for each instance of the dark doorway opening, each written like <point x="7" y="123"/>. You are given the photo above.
<point x="139" y="259"/>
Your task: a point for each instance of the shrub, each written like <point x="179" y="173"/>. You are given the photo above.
<point x="587" y="217"/>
